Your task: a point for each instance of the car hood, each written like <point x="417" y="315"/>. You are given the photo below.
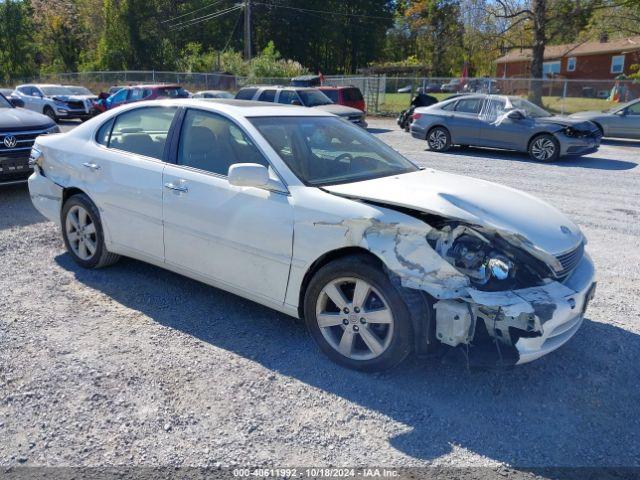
<point x="12" y="119"/>
<point x="73" y="98"/>
<point x="519" y="217"/>
<point x="562" y="121"/>
<point x="340" y="110"/>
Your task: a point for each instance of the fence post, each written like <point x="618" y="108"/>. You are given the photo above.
<point x="564" y="96"/>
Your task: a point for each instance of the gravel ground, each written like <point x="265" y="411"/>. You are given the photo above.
<point x="133" y="365"/>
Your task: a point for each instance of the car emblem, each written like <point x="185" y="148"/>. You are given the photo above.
<point x="10" y="141"/>
<point x="565" y="230"/>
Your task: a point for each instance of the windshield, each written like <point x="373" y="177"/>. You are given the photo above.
<point x="529" y="108"/>
<point x="172" y="92"/>
<point x="79" y="90"/>
<point x="4" y="103"/>
<point x="617" y="108"/>
<point x="49" y="91"/>
<point x="313" y="98"/>
<point x="328" y="151"/>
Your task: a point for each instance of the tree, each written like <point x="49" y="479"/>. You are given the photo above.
<point x="16" y="41"/>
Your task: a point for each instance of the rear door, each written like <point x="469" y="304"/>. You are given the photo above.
<point x="238" y="237"/>
<point x="124" y="178"/>
<point x="465" y="123"/>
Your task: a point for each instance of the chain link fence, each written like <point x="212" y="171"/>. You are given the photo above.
<point x="384" y="94"/>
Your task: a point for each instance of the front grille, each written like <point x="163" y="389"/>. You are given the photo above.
<point x="23" y="142"/>
<point x="76" y="105"/>
<point x="570" y="260"/>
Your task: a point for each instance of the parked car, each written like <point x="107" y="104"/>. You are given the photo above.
<point x="453" y="86"/>
<point x="388" y="258"/>
<point x="622" y="121"/>
<point x="18" y="129"/>
<point x="510" y="123"/>
<point x="308" y="97"/>
<point x="212" y="94"/>
<point x="55" y="101"/>
<point x="481" y="85"/>
<point x="306" y="81"/>
<point x="137" y="93"/>
<point x="13" y="98"/>
<point x="346" y="95"/>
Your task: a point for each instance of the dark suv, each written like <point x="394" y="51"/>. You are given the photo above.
<point x="308" y="97"/>
<point x="18" y="130"/>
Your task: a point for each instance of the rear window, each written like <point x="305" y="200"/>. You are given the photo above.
<point x="332" y="94"/>
<point x="246" y="93"/>
<point x="352" y="95"/>
<point x="172" y="92"/>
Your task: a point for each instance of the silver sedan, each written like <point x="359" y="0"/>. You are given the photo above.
<point x="622" y="121"/>
<point x="509" y="123"/>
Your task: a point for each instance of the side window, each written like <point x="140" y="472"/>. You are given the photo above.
<point x="634" y="109"/>
<point x="267" y="96"/>
<point x="146" y="92"/>
<point x="104" y="132"/>
<point x="142" y="131"/>
<point x="332" y="94"/>
<point x="469" y="105"/>
<point x="212" y="143"/>
<point x="448" y="106"/>
<point x="288" y="97"/>
<point x="246" y="93"/>
<point x="121" y="96"/>
<point x="493" y="109"/>
<point x="136" y="94"/>
<point x="352" y="95"/>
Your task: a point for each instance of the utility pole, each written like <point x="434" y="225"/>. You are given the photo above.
<point x="247" y="30"/>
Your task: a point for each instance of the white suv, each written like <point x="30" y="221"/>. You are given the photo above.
<point x="55" y="101"/>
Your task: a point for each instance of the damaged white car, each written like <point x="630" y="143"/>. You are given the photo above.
<point x="303" y="212"/>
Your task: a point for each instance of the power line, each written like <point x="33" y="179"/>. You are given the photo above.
<point x="354" y="15"/>
<point x="180" y="26"/>
<point x="232" y="31"/>
<point x="216" y="2"/>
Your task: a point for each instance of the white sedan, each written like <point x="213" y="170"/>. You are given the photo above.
<point x="301" y="211"/>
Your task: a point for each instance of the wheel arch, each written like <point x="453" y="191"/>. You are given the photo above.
<point x="536" y="135"/>
<point x="418" y="302"/>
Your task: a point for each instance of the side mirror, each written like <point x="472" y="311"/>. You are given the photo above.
<point x="248" y="175"/>
<point x="622" y="112"/>
<point x="515" y="115"/>
<point x="16" y="102"/>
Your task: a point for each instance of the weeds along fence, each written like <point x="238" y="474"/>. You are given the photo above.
<point x="385" y="94"/>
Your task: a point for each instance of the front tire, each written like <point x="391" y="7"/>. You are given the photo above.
<point x="439" y="139"/>
<point x="544" y="148"/>
<point x="48" y="111"/>
<point x="83" y="235"/>
<point x="357" y="316"/>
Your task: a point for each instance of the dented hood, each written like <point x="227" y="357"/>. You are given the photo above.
<point x="517" y="215"/>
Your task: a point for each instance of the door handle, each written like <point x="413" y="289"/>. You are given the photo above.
<point x="92" y="166"/>
<point x="176" y="188"/>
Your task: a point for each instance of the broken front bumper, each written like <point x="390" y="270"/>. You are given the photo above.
<point x="539" y="319"/>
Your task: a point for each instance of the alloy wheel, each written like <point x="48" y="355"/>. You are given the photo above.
<point x="437" y="139"/>
<point x="543" y="148"/>
<point x="81" y="232"/>
<point x="354" y="318"/>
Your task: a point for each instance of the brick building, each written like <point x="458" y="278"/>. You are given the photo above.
<point x="603" y="60"/>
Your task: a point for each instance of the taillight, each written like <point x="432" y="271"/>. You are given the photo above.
<point x="416" y="116"/>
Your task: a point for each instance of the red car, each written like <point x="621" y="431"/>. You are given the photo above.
<point x="347" y="95"/>
<point x="136" y="93"/>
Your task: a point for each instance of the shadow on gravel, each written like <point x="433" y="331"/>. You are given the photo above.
<point x="575" y="407"/>
<point x="17" y="209"/>
<point x="378" y="130"/>
<point x="621" y="142"/>
<point x="580" y="162"/>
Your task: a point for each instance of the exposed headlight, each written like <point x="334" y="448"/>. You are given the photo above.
<point x="53" y="129"/>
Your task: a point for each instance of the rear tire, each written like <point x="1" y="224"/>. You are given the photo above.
<point x="83" y="235"/>
<point x="371" y="329"/>
<point x="439" y="139"/>
<point x="544" y="148"/>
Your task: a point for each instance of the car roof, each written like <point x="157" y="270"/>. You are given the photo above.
<point x="242" y="108"/>
<point x="279" y="87"/>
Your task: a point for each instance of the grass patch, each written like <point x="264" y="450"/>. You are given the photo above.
<point x="396" y="102"/>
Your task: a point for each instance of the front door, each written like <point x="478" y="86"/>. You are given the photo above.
<point x="239" y="237"/>
<point x="465" y="123"/>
